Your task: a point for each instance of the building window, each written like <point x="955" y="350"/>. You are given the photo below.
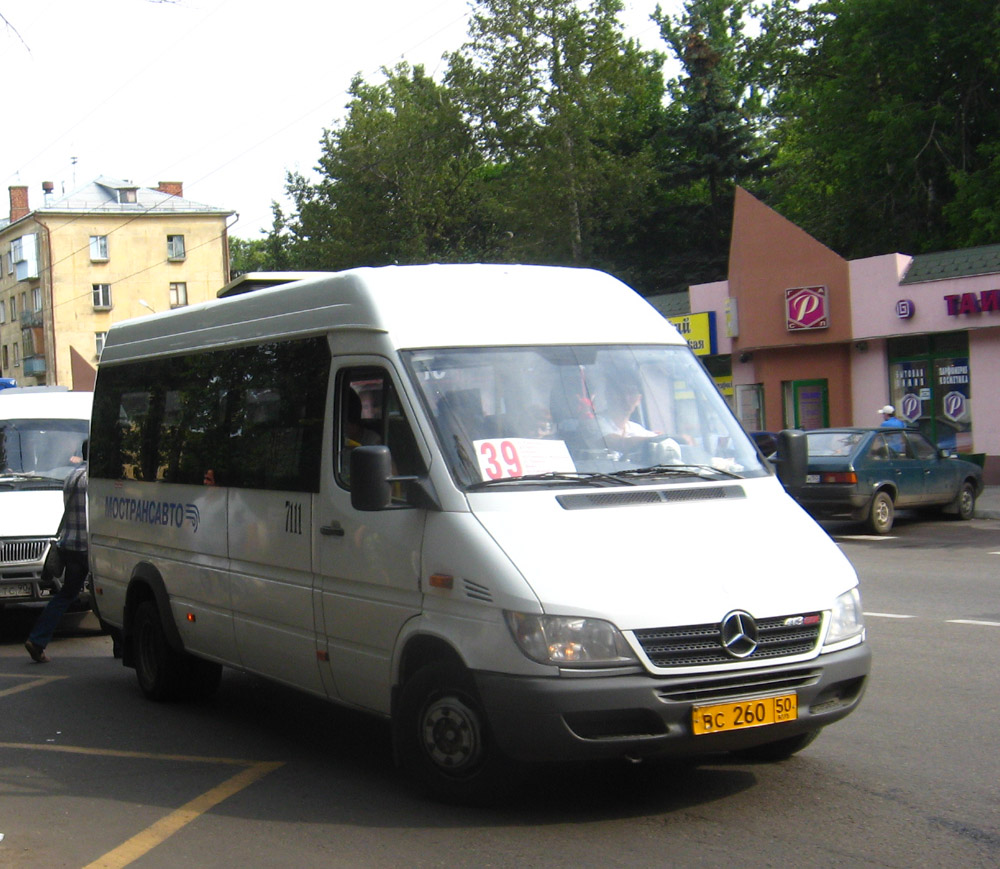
<point x="98" y="248"/>
<point x="13" y="308"/>
<point x="17" y="355"/>
<point x="6" y="358"/>
<point x="99" y="339"/>
<point x="36" y="299"/>
<point x="102" y="296"/>
<point x="175" y="247"/>
<point x="178" y="295"/>
<point x="3" y="311"/>
<point x="10" y="263"/>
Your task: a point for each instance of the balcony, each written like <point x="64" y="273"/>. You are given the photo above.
<point x="34" y="366"/>
<point x="31" y="319"/>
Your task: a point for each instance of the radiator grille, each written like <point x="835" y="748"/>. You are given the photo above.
<point x="22" y="551"/>
<point x="700" y="645"/>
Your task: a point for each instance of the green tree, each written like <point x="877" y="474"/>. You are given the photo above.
<point x="564" y="108"/>
<point x="715" y="131"/>
<point x="394" y="180"/>
<point x="889" y="126"/>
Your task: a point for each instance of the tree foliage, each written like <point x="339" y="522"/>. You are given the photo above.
<point x="551" y="138"/>
<point x="891" y="117"/>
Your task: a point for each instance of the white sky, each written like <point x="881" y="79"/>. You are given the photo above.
<point x="223" y="95"/>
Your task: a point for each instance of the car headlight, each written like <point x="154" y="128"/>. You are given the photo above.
<point x="846" y="620"/>
<point x="569" y="641"/>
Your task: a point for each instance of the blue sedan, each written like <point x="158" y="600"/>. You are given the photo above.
<point x="866" y="474"/>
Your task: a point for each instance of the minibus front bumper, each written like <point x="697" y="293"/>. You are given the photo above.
<point x="636" y="716"/>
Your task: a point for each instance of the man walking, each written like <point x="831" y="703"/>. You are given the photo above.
<point x="72" y="545"/>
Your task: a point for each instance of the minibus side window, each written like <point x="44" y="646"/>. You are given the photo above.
<point x="248" y="417"/>
<point x="369" y="412"/>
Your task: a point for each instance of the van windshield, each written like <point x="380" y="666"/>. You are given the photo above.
<point x="592" y="414"/>
<point x="46" y="448"/>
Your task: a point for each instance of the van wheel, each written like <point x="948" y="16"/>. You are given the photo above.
<point x="159" y="668"/>
<point x="442" y="738"/>
<point x="780" y="750"/>
<point x="882" y="512"/>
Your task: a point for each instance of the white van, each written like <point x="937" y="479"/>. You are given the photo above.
<point x="503" y="506"/>
<point x="42" y="430"/>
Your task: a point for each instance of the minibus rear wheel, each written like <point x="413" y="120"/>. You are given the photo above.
<point x="163" y="673"/>
<point x="443" y="740"/>
<point x="158" y="667"/>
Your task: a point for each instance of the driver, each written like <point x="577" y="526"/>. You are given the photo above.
<point x="616" y="421"/>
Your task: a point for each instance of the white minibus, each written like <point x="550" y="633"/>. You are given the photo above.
<point x="42" y="430"/>
<point x="505" y="507"/>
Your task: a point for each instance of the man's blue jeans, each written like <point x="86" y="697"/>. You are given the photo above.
<point x="74" y="577"/>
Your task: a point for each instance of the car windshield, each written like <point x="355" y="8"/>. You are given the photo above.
<point x="48" y="448"/>
<point x="586" y="415"/>
<point x="833" y="443"/>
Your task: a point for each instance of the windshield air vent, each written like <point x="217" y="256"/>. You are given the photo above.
<point x="656" y="496"/>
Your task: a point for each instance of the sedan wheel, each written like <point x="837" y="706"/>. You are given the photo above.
<point x="882" y="512"/>
<point x="966" y="501"/>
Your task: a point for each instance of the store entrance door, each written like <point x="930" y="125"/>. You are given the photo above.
<point x="807" y="404"/>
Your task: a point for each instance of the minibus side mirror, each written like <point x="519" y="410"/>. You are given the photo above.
<point x="371" y="468"/>
<point x="372" y="482"/>
<point x="792" y="458"/>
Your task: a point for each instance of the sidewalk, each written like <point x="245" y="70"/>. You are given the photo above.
<point x="988" y="504"/>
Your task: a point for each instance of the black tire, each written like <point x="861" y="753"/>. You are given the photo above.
<point x="782" y="749"/>
<point x="159" y="669"/>
<point x="443" y="740"/>
<point x="965" y="502"/>
<point x="881" y="513"/>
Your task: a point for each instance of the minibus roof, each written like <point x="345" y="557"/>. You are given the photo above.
<point x="44" y="404"/>
<point x="414" y="306"/>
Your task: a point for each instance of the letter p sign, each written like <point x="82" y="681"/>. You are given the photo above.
<point x="806" y="308"/>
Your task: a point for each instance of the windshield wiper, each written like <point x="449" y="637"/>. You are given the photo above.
<point x="12" y="478"/>
<point x="704" y="471"/>
<point x="561" y="477"/>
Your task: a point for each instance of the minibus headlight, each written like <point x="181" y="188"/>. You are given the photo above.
<point x="846" y="620"/>
<point x="569" y="641"/>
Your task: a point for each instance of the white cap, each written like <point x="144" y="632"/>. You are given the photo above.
<point x="889" y="409"/>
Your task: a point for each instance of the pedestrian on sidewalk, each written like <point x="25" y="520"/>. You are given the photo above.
<point x="72" y="545"/>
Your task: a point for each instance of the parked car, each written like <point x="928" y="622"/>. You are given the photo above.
<point x="867" y="474"/>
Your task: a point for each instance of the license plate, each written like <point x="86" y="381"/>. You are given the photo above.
<point x="16" y="590"/>
<point x="746" y="713"/>
<point x="812" y="478"/>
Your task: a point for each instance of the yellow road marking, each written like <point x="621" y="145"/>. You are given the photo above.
<point x="144" y="842"/>
<point x="35" y="682"/>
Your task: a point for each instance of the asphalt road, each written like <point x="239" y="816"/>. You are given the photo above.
<point x="92" y="774"/>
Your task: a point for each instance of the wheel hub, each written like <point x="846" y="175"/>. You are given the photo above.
<point x="451" y="734"/>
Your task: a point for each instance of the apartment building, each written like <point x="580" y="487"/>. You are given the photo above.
<point x="107" y="252"/>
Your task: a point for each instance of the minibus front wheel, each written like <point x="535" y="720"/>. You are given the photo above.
<point x="443" y="740"/>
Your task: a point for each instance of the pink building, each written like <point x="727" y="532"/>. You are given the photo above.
<point x="815" y="340"/>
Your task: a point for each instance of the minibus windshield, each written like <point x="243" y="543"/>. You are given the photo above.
<point x="41" y="448"/>
<point x="579" y="415"/>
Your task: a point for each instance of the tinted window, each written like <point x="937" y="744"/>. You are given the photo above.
<point x="250" y="417"/>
